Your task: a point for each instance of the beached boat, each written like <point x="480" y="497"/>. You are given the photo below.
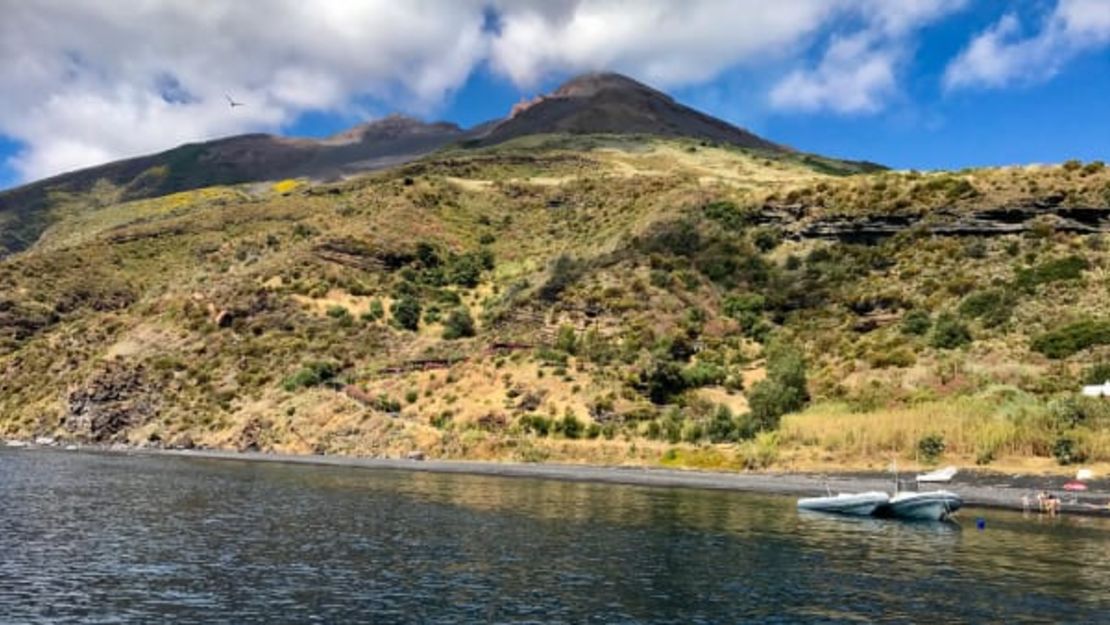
<point x="940" y="475"/>
<point x="857" y="504"/>
<point x="934" y="505"/>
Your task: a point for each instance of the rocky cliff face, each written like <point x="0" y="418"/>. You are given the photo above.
<point x="798" y="222"/>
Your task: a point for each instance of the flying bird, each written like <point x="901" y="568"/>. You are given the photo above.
<point x="233" y="103"/>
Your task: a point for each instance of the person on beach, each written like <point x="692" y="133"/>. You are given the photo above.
<point x="1048" y="502"/>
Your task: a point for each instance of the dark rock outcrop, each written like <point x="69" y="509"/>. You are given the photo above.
<point x="113" y="400"/>
<point x="798" y="223"/>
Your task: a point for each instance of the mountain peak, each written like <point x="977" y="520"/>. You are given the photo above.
<point x="611" y="103"/>
<point x="589" y="85"/>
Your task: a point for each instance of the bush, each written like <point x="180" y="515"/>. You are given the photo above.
<point x="727" y="214"/>
<point x="993" y="306"/>
<point x="411" y="396"/>
<point x="930" y="447"/>
<point x="384" y="403"/>
<point x="459" y="324"/>
<point x="725" y="428"/>
<point x="702" y="374"/>
<point x="769" y="400"/>
<point x="375" y="312"/>
<point x="564" y="271"/>
<point x="465" y="271"/>
<point x="1066" y="451"/>
<point x="1068" y="268"/>
<point x="535" y="424"/>
<point x="1067" y="340"/>
<point x="917" y="323"/>
<point x="406" y="312"/>
<point x="569" y="426"/>
<point x="663" y="381"/>
<point x="783" y="391"/>
<point x="949" y="333"/>
<point x="679" y="238"/>
<point x="566" y="340"/>
<point x="312" y="374"/>
<point x="1097" y="373"/>
<point x="767" y="238"/>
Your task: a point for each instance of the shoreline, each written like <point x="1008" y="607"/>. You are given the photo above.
<point x="978" y="489"/>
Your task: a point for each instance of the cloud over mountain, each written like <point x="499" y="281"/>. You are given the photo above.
<point x="86" y="81"/>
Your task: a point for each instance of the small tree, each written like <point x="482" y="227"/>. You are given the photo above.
<point x="917" y="323"/>
<point x="930" y="447"/>
<point x="459" y="324"/>
<point x="949" y="333"/>
<point x="406" y="312"/>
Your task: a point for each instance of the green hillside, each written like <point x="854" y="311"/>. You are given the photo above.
<point x="583" y="299"/>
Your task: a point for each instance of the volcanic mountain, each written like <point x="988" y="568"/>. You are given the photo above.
<point x="600" y="103"/>
<point x="607" y="103"/>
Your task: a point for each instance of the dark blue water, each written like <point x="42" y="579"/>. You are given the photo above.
<point x="111" y="539"/>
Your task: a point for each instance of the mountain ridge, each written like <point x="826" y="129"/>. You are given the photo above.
<point x="596" y="103"/>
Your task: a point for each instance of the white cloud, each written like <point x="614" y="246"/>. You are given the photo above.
<point x="666" y="42"/>
<point x="83" y="81"/>
<point x="86" y="81"/>
<point x="1002" y="56"/>
<point x="858" y="72"/>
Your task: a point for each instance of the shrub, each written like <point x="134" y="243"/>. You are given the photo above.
<point x="930" y="447"/>
<point x="464" y="270"/>
<point x="566" y="340"/>
<point x="767" y="238"/>
<point x="535" y="424"/>
<point x="663" y="381"/>
<point x="726" y="428"/>
<point x="993" y="306"/>
<point x="1067" y="340"/>
<point x="1066" y="451"/>
<point x="339" y="312"/>
<point x="679" y="238"/>
<point x="312" y="374"/>
<point x="761" y="452"/>
<point x="1072" y="164"/>
<point x="949" y="333"/>
<point x="384" y="403"/>
<point x="564" y="271"/>
<point x="702" y="374"/>
<point x="726" y="214"/>
<point x="1068" y="268"/>
<point x="769" y="400"/>
<point x="569" y="426"/>
<point x="411" y="396"/>
<point x="786" y="365"/>
<point x="917" y="323"/>
<point x="375" y="312"/>
<point x="406" y="312"/>
<point x="486" y="239"/>
<point x="1093" y="167"/>
<point x="459" y="324"/>
<point x="1097" y="373"/>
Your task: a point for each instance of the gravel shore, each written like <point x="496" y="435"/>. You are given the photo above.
<point x="978" y="488"/>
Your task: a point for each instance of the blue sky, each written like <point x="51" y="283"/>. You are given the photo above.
<point x="921" y="84"/>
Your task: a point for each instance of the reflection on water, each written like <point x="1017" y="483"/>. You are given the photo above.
<point x="99" y="538"/>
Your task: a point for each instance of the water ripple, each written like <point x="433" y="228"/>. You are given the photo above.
<point x="109" y="539"/>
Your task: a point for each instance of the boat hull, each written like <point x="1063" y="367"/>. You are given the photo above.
<point x="858" y="504"/>
<point x="928" y="506"/>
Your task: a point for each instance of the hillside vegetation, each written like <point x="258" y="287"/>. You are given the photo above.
<point x="585" y="299"/>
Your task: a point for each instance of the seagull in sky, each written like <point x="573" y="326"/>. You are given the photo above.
<point x="233" y="103"/>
